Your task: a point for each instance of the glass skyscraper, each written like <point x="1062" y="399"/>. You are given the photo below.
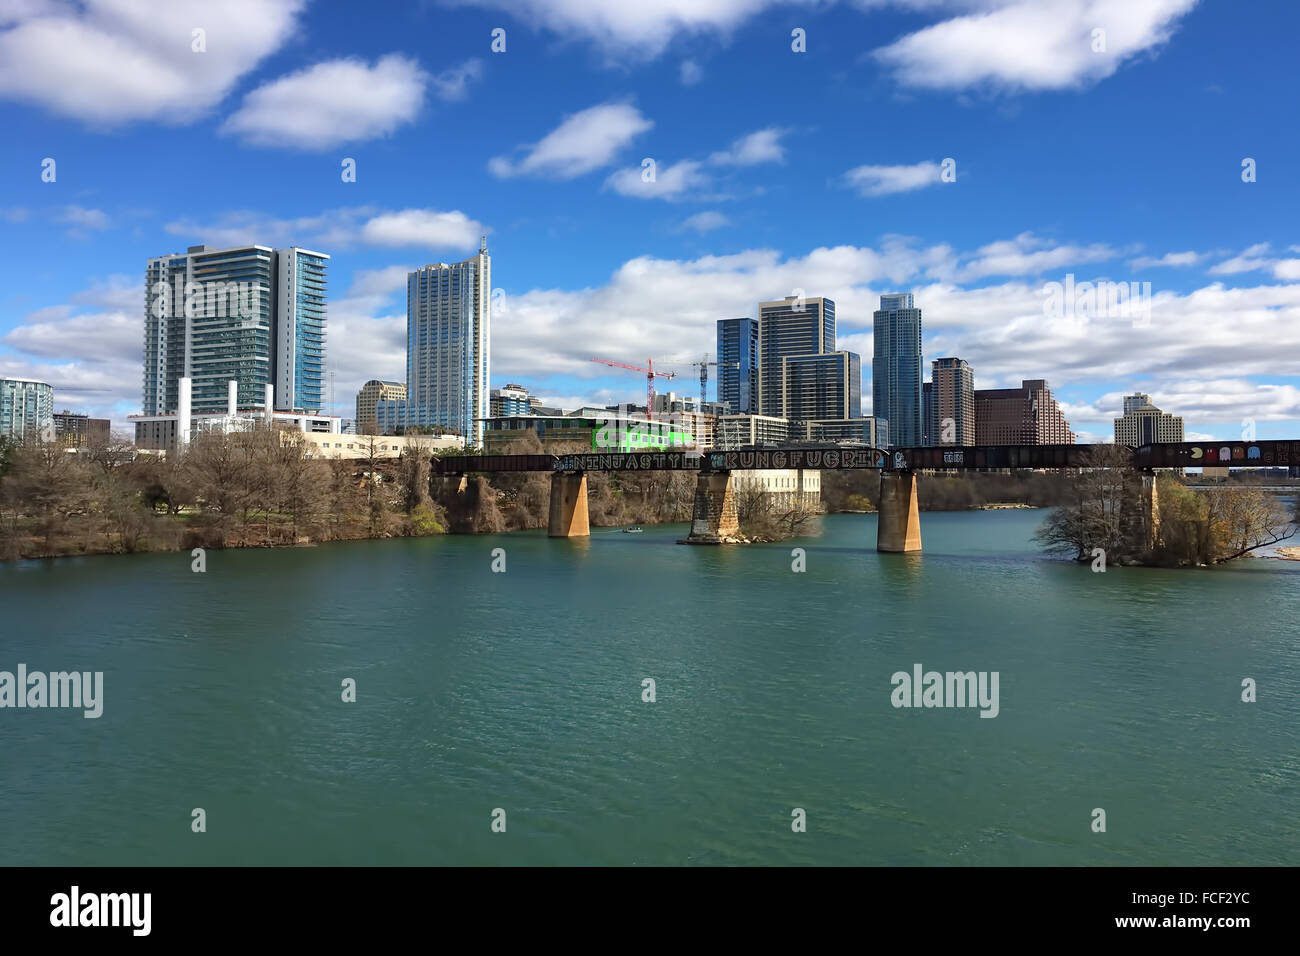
<point x="787" y="327"/>
<point x="738" y="365"/>
<point x="448" y="336"/>
<point x="26" y="410"/>
<point x="896" y="369"/>
<point x="251" y="314"/>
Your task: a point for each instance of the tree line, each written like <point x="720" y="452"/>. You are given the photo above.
<point x="258" y="488"/>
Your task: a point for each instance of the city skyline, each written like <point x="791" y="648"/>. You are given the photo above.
<point x="786" y="191"/>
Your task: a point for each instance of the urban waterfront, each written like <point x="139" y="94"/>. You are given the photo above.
<point x="522" y="690"/>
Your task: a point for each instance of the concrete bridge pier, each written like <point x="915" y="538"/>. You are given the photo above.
<point x="899" y="526"/>
<point x="714" y="519"/>
<point x="568" y="515"/>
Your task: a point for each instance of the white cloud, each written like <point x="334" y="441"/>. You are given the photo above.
<point x="691" y="73"/>
<point x="1251" y="259"/>
<point x="82" y="219"/>
<point x="1172" y="260"/>
<point x="638" y="29"/>
<point x="453" y="83"/>
<point x="1032" y="44"/>
<point x="340" y="101"/>
<point x="705" y="221"/>
<point x="1028" y="255"/>
<point x="670" y="182"/>
<point x="113" y="61"/>
<point x="584" y="141"/>
<point x="422" y="227"/>
<point x="885" y="180"/>
<point x="762" y="146"/>
<point x="338" y="228"/>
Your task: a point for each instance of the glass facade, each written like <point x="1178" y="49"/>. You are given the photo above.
<point x="26" y="410"/>
<point x="827" y="386"/>
<point x="738" y="365"/>
<point x="791" y="326"/>
<point x="896" y="369"/>
<point x="448" y="331"/>
<point x="251" y="314"/>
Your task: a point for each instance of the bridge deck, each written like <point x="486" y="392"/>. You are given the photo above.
<point x="1258" y="454"/>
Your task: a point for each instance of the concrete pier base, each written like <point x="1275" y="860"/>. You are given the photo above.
<point x="714" y="519"/>
<point x="568" y="515"/>
<point x="899" y="526"/>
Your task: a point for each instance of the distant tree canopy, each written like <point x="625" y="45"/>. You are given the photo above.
<point x="261" y="487"/>
<point x="1106" y="511"/>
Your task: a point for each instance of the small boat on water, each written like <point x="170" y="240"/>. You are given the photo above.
<point x="631" y="530"/>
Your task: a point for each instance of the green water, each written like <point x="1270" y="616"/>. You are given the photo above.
<point x="523" y="691"/>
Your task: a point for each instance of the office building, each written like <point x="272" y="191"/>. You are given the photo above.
<point x="743" y="431"/>
<point x="896" y="368"/>
<point x="1028" y="415"/>
<point x="738" y="365"/>
<point x="788" y="327"/>
<point x="817" y="387"/>
<point x="1143" y="424"/>
<point x="952" y="415"/>
<point x="77" y="431"/>
<point x="251" y="314"/>
<point x="448" y="338"/>
<point x="510" y="400"/>
<point x="862" y="431"/>
<point x="370" y="395"/>
<point x="26" y="410"/>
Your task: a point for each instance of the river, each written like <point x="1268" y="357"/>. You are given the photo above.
<point x="522" y="691"/>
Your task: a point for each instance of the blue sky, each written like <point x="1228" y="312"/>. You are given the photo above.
<point x="776" y="170"/>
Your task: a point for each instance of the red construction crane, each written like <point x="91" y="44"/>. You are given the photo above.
<point x="650" y="374"/>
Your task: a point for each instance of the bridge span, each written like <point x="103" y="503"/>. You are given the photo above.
<point x="714" y="517"/>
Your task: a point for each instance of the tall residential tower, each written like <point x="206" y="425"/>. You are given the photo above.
<point x="448" y="341"/>
<point x="251" y="314"/>
<point x="896" y="369"/>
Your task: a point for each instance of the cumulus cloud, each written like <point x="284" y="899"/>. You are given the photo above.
<point x="339" y="101"/>
<point x="762" y="146"/>
<point x="585" y="141"/>
<point x="690" y="73"/>
<point x="886" y="180"/>
<point x="108" y="62"/>
<point x="1032" y="44"/>
<point x="672" y="182"/>
<point x="338" y="228"/>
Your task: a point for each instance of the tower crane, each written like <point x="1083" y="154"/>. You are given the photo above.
<point x="703" y="365"/>
<point x="650" y="374"/>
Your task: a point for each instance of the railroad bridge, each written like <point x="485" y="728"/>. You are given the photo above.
<point x="714" y="515"/>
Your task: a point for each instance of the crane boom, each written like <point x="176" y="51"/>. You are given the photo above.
<point x="650" y="374"/>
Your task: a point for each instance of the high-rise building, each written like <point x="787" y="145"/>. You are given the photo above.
<point x="738" y="365"/>
<point x="371" y="394"/>
<point x="929" y="422"/>
<point x="817" y="387"/>
<point x="26" y="410"/>
<point x="787" y="327"/>
<point x="249" y="314"/>
<point x="1027" y="415"/>
<point x="953" y="414"/>
<point x="896" y="369"/>
<point x="510" y="400"/>
<point x="76" y="431"/>
<point x="1142" y="423"/>
<point x="448" y="340"/>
